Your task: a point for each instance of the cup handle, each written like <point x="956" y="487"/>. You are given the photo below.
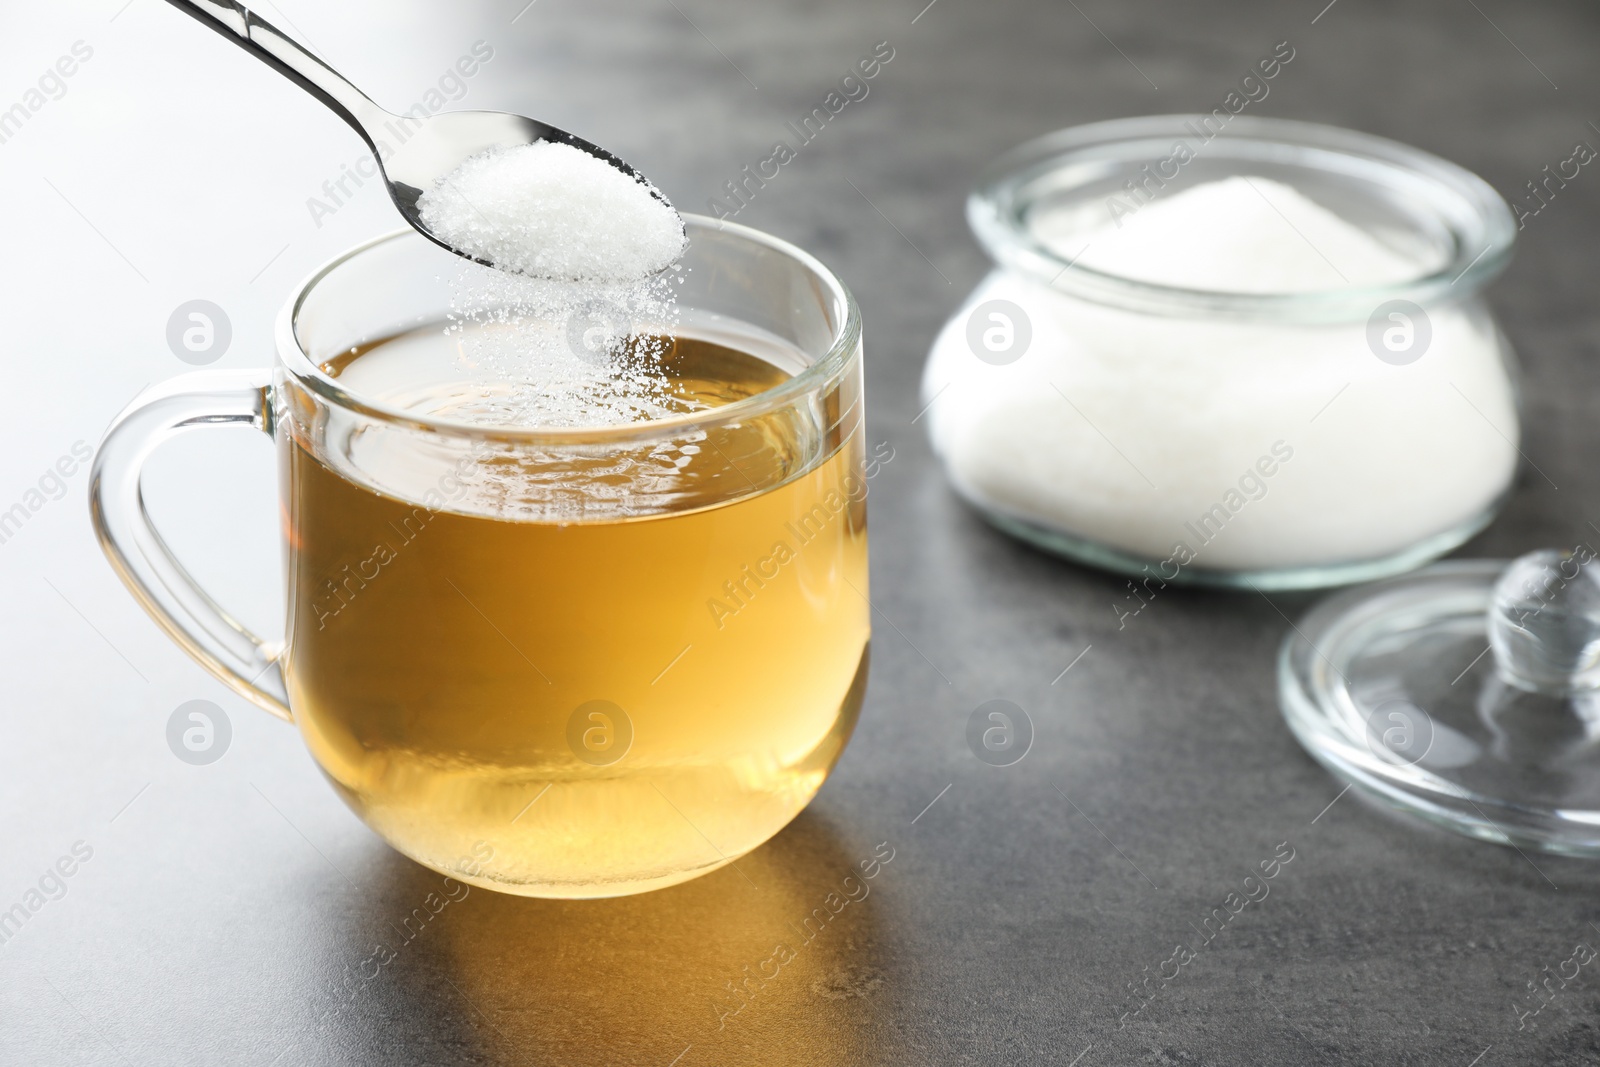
<point x="142" y="559"/>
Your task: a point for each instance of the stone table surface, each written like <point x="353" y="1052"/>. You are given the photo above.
<point x="224" y="913"/>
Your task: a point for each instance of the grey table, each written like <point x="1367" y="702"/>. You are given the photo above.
<point x="231" y="913"/>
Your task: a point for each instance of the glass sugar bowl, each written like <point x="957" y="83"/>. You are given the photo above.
<point x="1236" y="353"/>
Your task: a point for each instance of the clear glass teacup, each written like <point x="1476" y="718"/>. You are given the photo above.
<point x="566" y="661"/>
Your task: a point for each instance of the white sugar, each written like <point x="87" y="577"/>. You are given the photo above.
<point x="1127" y="429"/>
<point x="1239" y="235"/>
<point x="564" y="354"/>
<point x="549" y="210"/>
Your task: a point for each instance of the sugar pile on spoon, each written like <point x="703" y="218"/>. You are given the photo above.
<point x="569" y="313"/>
<point x="549" y="210"/>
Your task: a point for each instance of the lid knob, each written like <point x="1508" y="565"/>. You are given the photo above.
<point x="1544" y="621"/>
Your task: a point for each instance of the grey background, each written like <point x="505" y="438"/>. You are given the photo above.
<point x="224" y="906"/>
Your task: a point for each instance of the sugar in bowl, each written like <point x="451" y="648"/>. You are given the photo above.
<point x="1241" y="352"/>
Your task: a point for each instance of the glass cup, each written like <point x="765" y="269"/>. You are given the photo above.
<point x="560" y="662"/>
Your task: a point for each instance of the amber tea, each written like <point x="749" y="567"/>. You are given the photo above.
<point x="592" y="671"/>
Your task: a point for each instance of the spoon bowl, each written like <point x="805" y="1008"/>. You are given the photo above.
<point x="444" y="141"/>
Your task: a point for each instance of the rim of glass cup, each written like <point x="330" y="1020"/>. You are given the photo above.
<point x="846" y="341"/>
<point x="1477" y="219"/>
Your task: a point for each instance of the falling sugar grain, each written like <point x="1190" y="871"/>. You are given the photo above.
<point x="569" y="322"/>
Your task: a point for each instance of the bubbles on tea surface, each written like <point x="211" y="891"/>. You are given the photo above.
<point x="467" y="369"/>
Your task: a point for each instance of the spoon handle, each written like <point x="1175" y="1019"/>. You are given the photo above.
<point x="288" y="57"/>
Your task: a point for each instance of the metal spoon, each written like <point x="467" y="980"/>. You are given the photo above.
<point x="437" y="144"/>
